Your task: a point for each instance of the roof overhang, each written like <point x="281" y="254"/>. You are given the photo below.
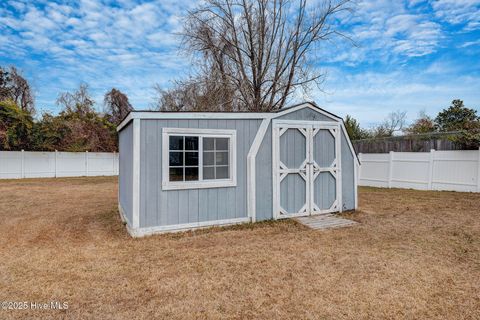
<point x="159" y="115"/>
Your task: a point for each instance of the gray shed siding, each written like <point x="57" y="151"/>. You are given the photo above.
<point x="306" y="114"/>
<point x="264" y="183"/>
<point x="125" y="179"/>
<point x="163" y="208"/>
<point x="263" y="178"/>
<point x="348" y="176"/>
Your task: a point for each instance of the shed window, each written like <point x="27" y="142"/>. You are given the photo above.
<point x="198" y="158"/>
<point x="183" y="158"/>
<point x="215" y="158"/>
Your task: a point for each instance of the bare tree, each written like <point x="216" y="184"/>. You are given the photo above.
<point x="203" y="93"/>
<point x="262" y="49"/>
<point x="183" y="96"/>
<point x="21" y="92"/>
<point x="117" y="106"/>
<point x="394" y="122"/>
<point x="15" y="87"/>
<point x="79" y="101"/>
<point x="80" y="126"/>
<point x="4" y="84"/>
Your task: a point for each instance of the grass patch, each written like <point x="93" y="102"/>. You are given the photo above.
<point x="415" y="254"/>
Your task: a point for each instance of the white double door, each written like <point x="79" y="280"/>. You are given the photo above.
<point x="306" y="168"/>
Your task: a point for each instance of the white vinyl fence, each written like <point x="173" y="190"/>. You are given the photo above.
<point x="435" y="170"/>
<point x="28" y="164"/>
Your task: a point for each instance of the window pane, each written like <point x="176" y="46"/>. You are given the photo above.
<point x="221" y="158"/>
<point x="184" y="158"/>
<point x="176" y="174"/>
<point x="208" y="143"/>
<point x="208" y="173"/>
<point x="222" y="172"/>
<point x="221" y="144"/>
<point x="191" y="158"/>
<point x="208" y="158"/>
<point x="176" y="158"/>
<point x="191" y="174"/>
<point x="191" y="143"/>
<point x="176" y="142"/>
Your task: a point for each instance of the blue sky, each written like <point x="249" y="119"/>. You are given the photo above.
<point x="410" y="55"/>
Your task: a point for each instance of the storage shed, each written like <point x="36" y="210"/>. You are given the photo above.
<point x="184" y="170"/>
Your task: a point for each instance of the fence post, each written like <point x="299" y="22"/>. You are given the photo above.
<point x="113" y="167"/>
<point x="23" y="164"/>
<point x="390" y="169"/>
<point x="478" y="171"/>
<point x="56" y="159"/>
<point x="86" y="163"/>
<point x="430" y="168"/>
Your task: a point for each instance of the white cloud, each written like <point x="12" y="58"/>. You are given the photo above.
<point x="370" y="96"/>
<point x="387" y="31"/>
<point x="17" y="5"/>
<point x="470" y="43"/>
<point x="109" y="27"/>
<point x="128" y="45"/>
<point x="131" y="46"/>
<point x="458" y="12"/>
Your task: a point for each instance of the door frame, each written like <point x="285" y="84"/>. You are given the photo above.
<point x="309" y="127"/>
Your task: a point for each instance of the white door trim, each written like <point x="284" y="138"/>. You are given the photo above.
<point x="278" y="168"/>
<point x="310" y="128"/>
<point x="334" y="169"/>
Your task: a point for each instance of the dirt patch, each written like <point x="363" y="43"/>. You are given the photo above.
<point x="415" y="255"/>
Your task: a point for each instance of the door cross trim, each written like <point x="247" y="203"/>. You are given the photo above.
<point x="309" y="170"/>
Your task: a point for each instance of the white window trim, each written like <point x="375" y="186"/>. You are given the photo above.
<point x="201" y="133"/>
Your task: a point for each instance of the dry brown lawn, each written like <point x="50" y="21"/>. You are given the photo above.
<point x="414" y="255"/>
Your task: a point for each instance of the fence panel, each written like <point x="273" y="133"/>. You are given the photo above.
<point x="457" y="170"/>
<point x="374" y="169"/>
<point x="26" y="164"/>
<point x="411" y="143"/>
<point x="454" y="169"/>
<point x="100" y="163"/>
<point x="10" y="164"/>
<point x="39" y="164"/>
<point x="71" y="164"/>
<point x="410" y="170"/>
